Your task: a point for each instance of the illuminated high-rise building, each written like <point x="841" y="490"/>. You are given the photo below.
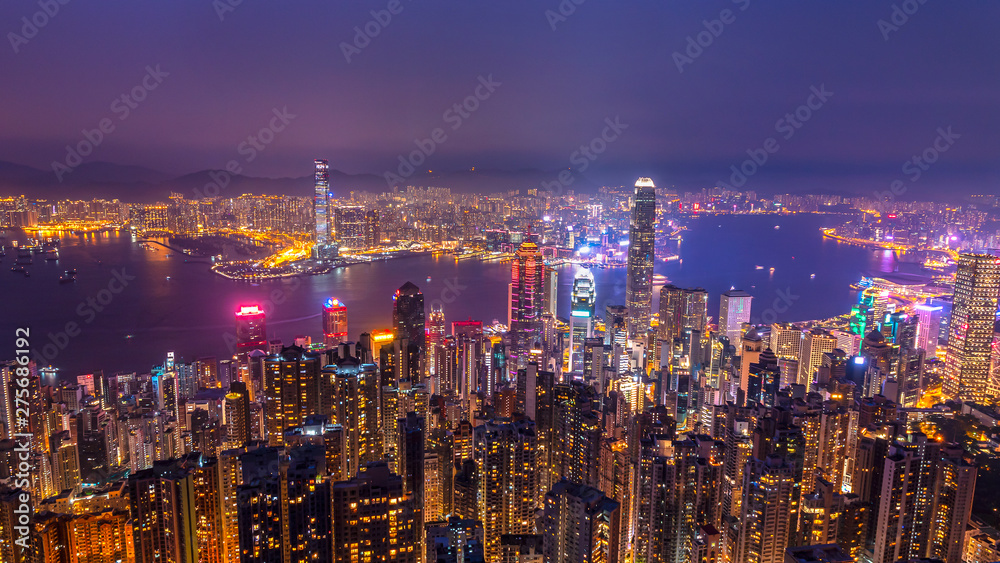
<point x="580" y="524"/>
<point x="505" y="463"/>
<point x="769" y="516"/>
<point x="813" y="345"/>
<point x="869" y="313"/>
<point x="408" y="314"/>
<point x="639" y="277"/>
<point x="581" y="321"/>
<point x="682" y="309"/>
<point x="321" y="205"/>
<point x="294" y="389"/>
<point x="104" y="536"/>
<point x="970" y="333"/>
<point x="574" y="437"/>
<point x="678" y="487"/>
<point x="350" y="226"/>
<point x="373" y="228"/>
<point x="237" y="415"/>
<point x="526" y="301"/>
<point x="924" y="501"/>
<point x="374" y="520"/>
<point x="409" y="323"/>
<point x="551" y="293"/>
<point x="928" y="327"/>
<point x="334" y="322"/>
<point x="734" y="311"/>
<point x="435" y="348"/>
<point x="356" y="409"/>
<point x="615" y="318"/>
<point x="164" y="519"/>
<point x="305" y="505"/>
<point x="250" y="330"/>
<point x="786" y="341"/>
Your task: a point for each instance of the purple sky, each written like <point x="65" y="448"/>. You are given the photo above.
<point x="609" y="58"/>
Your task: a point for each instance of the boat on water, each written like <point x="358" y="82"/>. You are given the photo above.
<point x="812" y="276"/>
<point x="772" y="269"/>
<point x="758" y="267"/>
<point x="18" y="269"/>
<point x="67" y="278"/>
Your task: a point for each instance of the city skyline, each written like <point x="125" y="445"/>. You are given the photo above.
<point x="521" y="282"/>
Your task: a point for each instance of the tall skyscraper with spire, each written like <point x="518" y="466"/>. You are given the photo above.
<point x="639" y="278"/>
<point x="970" y="334"/>
<point x="321" y="206"/>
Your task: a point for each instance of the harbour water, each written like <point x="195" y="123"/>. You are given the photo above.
<point x="130" y="304"/>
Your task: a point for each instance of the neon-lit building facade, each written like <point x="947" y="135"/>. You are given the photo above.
<point x="250" y="330"/>
<point x="526" y="301"/>
<point x="334" y="322"/>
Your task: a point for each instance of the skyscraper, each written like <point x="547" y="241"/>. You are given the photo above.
<point x="250" y="330"/>
<point x="334" y="322"/>
<point x="237" y="415"/>
<point x="734" y="310"/>
<point x="350" y="226"/>
<point x="374" y="519"/>
<point x="581" y="316"/>
<point x="505" y="463"/>
<point x="435" y="348"/>
<point x="924" y="501"/>
<point x="928" y="327"/>
<point x="321" y="206"/>
<point x="526" y="300"/>
<point x="769" y="499"/>
<point x="682" y="309"/>
<point x="164" y="521"/>
<point x="373" y="228"/>
<point x="614" y="324"/>
<point x="579" y="525"/>
<point x="639" y="278"/>
<point x="409" y="324"/>
<point x="814" y="344"/>
<point x="970" y="333"/>
<point x="408" y="314"/>
<point x="294" y="390"/>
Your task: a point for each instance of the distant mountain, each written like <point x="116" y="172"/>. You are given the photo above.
<point x="143" y="185"/>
